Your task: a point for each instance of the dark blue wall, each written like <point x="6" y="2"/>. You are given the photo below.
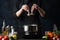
<point x="8" y="8"/>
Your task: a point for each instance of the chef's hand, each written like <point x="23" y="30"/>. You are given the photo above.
<point x="34" y="7"/>
<point x="25" y="7"/>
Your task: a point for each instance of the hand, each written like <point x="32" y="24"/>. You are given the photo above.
<point x="34" y="7"/>
<point x="25" y="7"/>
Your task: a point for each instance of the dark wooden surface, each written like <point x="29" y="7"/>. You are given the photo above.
<point x="29" y="39"/>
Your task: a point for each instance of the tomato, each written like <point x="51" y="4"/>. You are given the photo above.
<point x="6" y="38"/>
<point x="1" y="37"/>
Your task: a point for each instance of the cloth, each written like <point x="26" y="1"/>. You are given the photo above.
<point x="26" y="20"/>
<point x="32" y="19"/>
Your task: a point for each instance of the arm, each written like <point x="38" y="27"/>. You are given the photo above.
<point x="41" y="11"/>
<point x="18" y="13"/>
<point x="24" y="7"/>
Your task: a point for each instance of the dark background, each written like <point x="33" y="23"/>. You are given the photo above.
<point x="52" y="8"/>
